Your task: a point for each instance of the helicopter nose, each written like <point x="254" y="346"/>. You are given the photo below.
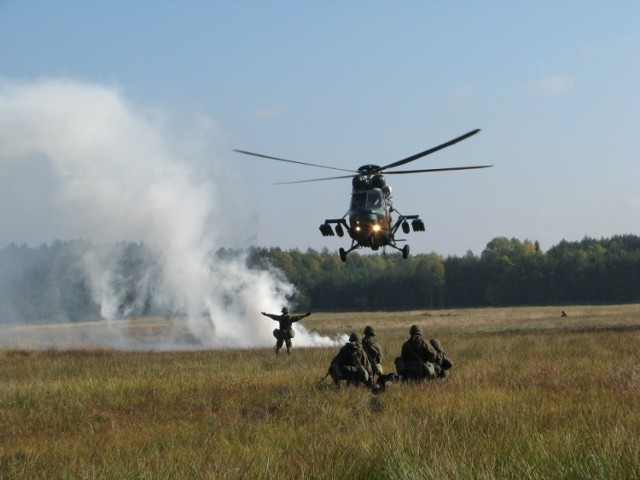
<point x="366" y="218"/>
<point x="369" y="224"/>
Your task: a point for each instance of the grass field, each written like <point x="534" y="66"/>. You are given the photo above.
<point x="531" y="395"/>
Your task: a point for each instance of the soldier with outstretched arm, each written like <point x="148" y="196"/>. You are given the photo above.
<point x="285" y="332"/>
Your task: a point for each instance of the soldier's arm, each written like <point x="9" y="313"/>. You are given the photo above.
<point x="378" y="351"/>
<point x="366" y="364"/>
<point x="271" y="316"/>
<point x="429" y="352"/>
<point x="295" y="318"/>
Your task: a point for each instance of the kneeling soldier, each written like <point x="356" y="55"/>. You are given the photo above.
<point x="422" y="360"/>
<point x="372" y="349"/>
<point x="351" y="364"/>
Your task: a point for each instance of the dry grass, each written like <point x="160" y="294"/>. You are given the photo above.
<point x="532" y="395"/>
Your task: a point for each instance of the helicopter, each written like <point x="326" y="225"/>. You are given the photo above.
<point x="371" y="224"/>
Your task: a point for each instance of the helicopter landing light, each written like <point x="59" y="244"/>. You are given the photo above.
<point x="376" y="227"/>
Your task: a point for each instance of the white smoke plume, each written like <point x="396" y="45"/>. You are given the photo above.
<point x="111" y="172"/>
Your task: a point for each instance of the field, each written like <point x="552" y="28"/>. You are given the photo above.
<point x="531" y="395"/>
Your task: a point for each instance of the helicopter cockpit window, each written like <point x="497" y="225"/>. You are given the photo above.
<point x="374" y="198"/>
<point x="367" y="199"/>
<point x="359" y="200"/>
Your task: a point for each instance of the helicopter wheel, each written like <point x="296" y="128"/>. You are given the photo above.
<point x="405" y="251"/>
<point x="343" y="254"/>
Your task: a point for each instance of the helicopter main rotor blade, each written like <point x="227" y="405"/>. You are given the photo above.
<point x="425" y="170"/>
<point x="430" y="151"/>
<point x="313" y="180"/>
<point x="437" y="169"/>
<point x="294" y="161"/>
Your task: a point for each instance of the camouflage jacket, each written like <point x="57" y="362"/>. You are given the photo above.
<point x="351" y="356"/>
<point x="417" y="348"/>
<point x="372" y="349"/>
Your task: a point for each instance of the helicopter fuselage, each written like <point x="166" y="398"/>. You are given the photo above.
<point x="370" y="217"/>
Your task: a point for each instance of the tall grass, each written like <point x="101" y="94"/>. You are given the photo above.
<point x="531" y="395"/>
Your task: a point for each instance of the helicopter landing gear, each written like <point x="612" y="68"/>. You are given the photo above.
<point x="405" y="251"/>
<point x="343" y="254"/>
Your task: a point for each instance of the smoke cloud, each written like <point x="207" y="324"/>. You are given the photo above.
<point x="78" y="160"/>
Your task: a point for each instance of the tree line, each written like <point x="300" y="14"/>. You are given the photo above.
<point x="34" y="282"/>
<point x="508" y="272"/>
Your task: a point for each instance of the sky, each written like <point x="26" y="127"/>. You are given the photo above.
<point x="554" y="86"/>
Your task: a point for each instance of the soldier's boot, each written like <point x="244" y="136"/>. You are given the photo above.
<point x="289" y="350"/>
<point x="277" y="350"/>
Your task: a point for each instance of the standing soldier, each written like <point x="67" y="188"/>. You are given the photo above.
<point x="351" y="364"/>
<point x="422" y="360"/>
<point x="372" y="349"/>
<point x="285" y="333"/>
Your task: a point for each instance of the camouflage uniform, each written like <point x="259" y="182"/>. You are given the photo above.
<point x="285" y="333"/>
<point x="422" y="360"/>
<point x="351" y="364"/>
<point x="372" y="349"/>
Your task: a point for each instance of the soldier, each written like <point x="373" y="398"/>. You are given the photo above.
<point x="351" y="364"/>
<point x="372" y="349"/>
<point x="285" y="333"/>
<point x="422" y="360"/>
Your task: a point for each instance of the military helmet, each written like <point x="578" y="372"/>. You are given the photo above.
<point x="285" y="310"/>
<point x="415" y="330"/>
<point x="354" y="337"/>
<point x="369" y="330"/>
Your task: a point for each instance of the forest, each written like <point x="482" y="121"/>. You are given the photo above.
<point x="50" y="282"/>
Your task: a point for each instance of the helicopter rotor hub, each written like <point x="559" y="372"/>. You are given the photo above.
<point x="369" y="169"/>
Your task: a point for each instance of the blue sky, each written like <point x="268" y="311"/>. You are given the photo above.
<point x="555" y="87"/>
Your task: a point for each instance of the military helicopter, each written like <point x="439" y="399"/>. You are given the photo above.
<point x="371" y="224"/>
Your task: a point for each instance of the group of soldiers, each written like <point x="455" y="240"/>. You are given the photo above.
<point x="359" y="362"/>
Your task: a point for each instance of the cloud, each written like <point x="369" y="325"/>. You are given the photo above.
<point x="553" y="85"/>
<point x="268" y="113"/>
